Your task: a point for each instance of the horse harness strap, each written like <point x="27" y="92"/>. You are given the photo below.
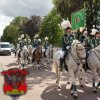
<point x="96" y="54"/>
<point x="76" y="60"/>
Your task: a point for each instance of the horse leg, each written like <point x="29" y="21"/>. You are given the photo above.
<point x="73" y="87"/>
<point x="33" y="57"/>
<point x="98" y="71"/>
<point x="82" y="77"/>
<point x="38" y="66"/>
<point x="58" y="78"/>
<point x="68" y="82"/>
<point x="94" y="87"/>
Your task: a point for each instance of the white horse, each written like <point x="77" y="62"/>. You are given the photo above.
<point x="49" y="55"/>
<point x="24" y="55"/>
<point x="75" y="61"/>
<point x="94" y="64"/>
<point x="30" y="48"/>
<point x="49" y="52"/>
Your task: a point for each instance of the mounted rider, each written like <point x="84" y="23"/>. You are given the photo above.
<point x="25" y="42"/>
<point x="37" y="42"/>
<point x="29" y="42"/>
<point x="67" y="39"/>
<point x="84" y="38"/>
<point x="96" y="38"/>
<point x="46" y="44"/>
<point x="18" y="44"/>
<point x="86" y="41"/>
<point x="21" y="43"/>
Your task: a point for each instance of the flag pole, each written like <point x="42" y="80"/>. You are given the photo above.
<point x="85" y="13"/>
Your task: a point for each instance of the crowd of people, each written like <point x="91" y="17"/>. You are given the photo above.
<point x="89" y="40"/>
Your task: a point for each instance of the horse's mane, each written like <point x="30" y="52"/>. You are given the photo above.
<point x="75" y="42"/>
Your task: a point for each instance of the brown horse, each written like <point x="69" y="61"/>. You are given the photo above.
<point x="37" y="55"/>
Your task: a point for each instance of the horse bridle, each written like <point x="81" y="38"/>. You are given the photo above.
<point x="80" y="58"/>
<point x="96" y="54"/>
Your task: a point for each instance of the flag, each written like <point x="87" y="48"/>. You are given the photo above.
<point x="78" y="19"/>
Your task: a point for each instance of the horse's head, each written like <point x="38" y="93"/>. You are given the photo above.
<point x="50" y="48"/>
<point x="78" y="50"/>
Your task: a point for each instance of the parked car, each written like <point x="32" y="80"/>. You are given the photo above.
<point x="5" y="48"/>
<point x="12" y="48"/>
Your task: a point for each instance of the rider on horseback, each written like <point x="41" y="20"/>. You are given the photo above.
<point x="85" y="40"/>
<point x="29" y="42"/>
<point x="37" y="42"/>
<point x="66" y="41"/>
<point x="96" y="39"/>
<point x="46" y="44"/>
<point x="21" y="44"/>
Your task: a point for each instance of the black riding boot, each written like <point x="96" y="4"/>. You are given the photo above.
<point x="65" y="56"/>
<point x="61" y="64"/>
<point x="87" y="55"/>
<point x="45" y="54"/>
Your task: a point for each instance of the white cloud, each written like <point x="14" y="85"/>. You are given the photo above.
<point x="4" y="21"/>
<point x="25" y="7"/>
<point x="12" y="8"/>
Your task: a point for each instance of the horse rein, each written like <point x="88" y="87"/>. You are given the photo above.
<point x="96" y="54"/>
<point x="80" y="58"/>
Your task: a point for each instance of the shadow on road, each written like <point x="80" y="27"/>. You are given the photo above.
<point x="52" y="93"/>
<point x="36" y="77"/>
<point x="11" y="65"/>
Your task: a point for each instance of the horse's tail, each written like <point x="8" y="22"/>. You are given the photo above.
<point x="54" y="67"/>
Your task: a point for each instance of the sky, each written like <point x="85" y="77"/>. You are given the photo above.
<point x="12" y="8"/>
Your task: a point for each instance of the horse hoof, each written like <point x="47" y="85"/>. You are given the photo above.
<point x="56" y="82"/>
<point x="95" y="91"/>
<point x="75" y="97"/>
<point x="71" y="94"/>
<point x="86" y="82"/>
<point x="59" y="87"/>
<point x="81" y="86"/>
<point x="38" y="68"/>
<point x="68" y="82"/>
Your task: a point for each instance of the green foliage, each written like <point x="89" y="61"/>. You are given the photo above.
<point x="32" y="26"/>
<point x="66" y="7"/>
<point x="12" y="31"/>
<point x="50" y="27"/>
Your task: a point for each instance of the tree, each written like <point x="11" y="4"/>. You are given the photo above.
<point x="50" y="27"/>
<point x="66" y="7"/>
<point x="12" y="31"/>
<point x="32" y="26"/>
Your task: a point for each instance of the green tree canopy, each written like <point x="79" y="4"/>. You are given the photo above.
<point x="66" y="7"/>
<point x="12" y="31"/>
<point x="50" y="27"/>
<point x="32" y="26"/>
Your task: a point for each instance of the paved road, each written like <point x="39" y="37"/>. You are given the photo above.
<point x="41" y="84"/>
